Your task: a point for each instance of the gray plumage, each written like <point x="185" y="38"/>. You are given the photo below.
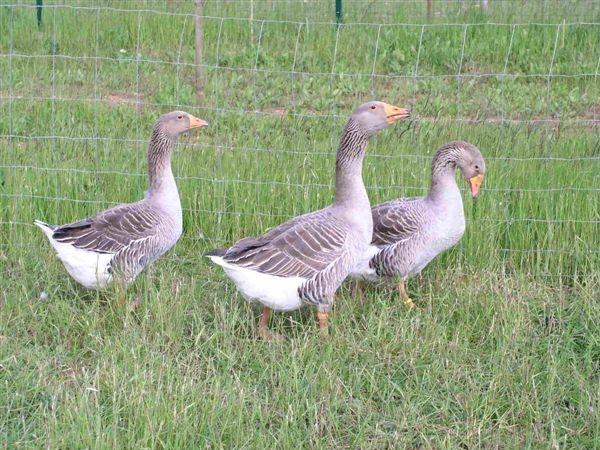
<point x="409" y="232"/>
<point x="317" y="247"/>
<point x="306" y="259"/>
<point x="121" y="241"/>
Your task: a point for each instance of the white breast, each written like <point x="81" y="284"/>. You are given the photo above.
<point x="442" y="233"/>
<point x="171" y="205"/>
<point x="449" y="225"/>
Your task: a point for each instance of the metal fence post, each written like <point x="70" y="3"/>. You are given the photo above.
<point x="199" y="69"/>
<point x="38" y="11"/>
<point x="338" y="11"/>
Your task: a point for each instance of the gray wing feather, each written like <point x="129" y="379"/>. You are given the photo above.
<point x="131" y="260"/>
<point x="397" y="220"/>
<point x="135" y="233"/>
<point x="302" y="247"/>
<point x="112" y="230"/>
<point x="397" y="229"/>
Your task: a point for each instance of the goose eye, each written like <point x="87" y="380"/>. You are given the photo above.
<point x="373" y="107"/>
<point x="180" y="117"/>
<point x="476" y="166"/>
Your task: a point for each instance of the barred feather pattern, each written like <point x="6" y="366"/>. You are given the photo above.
<point x="410" y="232"/>
<point x="321" y="246"/>
<point x="445" y="160"/>
<point x="159" y="155"/>
<point x="352" y="147"/>
<point x="135" y="233"/>
<point x="396" y="232"/>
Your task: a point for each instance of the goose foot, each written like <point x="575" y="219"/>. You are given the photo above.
<point x="323" y="325"/>
<point x="404" y="296"/>
<point x="408" y="302"/>
<point x="270" y="335"/>
<point x="263" y="327"/>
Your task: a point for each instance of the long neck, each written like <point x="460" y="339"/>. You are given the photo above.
<point x="349" y="187"/>
<point x="443" y="167"/>
<point x="160" y="176"/>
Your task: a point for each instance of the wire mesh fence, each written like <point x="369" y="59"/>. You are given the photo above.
<point x="80" y="92"/>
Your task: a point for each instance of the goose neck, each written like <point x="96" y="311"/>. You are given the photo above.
<point x="349" y="187"/>
<point x="443" y="181"/>
<point x="160" y="175"/>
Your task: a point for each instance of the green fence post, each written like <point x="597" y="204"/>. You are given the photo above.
<point x="38" y="11"/>
<point x="338" y="11"/>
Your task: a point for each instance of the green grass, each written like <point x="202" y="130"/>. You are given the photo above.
<point x="504" y="351"/>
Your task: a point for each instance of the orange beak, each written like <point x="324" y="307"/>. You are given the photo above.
<point x="475" y="183"/>
<point x="197" y="123"/>
<point x="394" y="113"/>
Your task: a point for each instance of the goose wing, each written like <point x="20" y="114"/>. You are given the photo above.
<point x="302" y="247"/>
<point x="112" y="230"/>
<point x="397" y="220"/>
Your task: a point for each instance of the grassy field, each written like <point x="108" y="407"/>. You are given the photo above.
<point x="504" y="350"/>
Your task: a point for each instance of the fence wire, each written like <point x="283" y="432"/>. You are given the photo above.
<point x="309" y="78"/>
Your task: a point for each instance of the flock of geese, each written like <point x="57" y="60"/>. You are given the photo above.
<point x="302" y="261"/>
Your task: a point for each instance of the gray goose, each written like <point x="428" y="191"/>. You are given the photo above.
<point x="409" y="232"/>
<point x="121" y="241"/>
<point x="304" y="260"/>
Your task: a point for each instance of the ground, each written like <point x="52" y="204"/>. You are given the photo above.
<point x="503" y="350"/>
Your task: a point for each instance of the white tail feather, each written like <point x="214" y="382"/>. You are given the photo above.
<point x="48" y="231"/>
<point x="87" y="267"/>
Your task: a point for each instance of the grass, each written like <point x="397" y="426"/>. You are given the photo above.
<point x="504" y="351"/>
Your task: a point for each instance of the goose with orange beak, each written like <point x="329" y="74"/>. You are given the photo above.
<point x="409" y="232"/>
<point x="304" y="260"/>
<point x="120" y="242"/>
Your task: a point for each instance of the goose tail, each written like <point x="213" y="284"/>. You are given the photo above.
<point x="47" y="229"/>
<point x="216" y="252"/>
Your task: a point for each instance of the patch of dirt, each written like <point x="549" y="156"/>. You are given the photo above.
<point x="276" y="111"/>
<point x="592" y="114"/>
<point x="118" y="99"/>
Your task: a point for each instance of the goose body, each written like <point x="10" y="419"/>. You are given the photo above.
<point x="410" y="232"/>
<point x="89" y="268"/>
<point x="301" y="261"/>
<point x="304" y="260"/>
<point x="122" y="241"/>
<point x="435" y="229"/>
<point x="119" y="241"/>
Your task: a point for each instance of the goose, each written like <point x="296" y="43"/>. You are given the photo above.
<point x="121" y="241"/>
<point x="409" y="232"/>
<point x="304" y="260"/>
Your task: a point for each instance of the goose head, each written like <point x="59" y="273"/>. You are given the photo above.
<point x="177" y="122"/>
<point x="374" y="116"/>
<point x="471" y="164"/>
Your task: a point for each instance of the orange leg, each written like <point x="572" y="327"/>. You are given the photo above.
<point x="404" y="295"/>
<point x="322" y="318"/>
<point x="135" y="304"/>
<point x="263" y="326"/>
